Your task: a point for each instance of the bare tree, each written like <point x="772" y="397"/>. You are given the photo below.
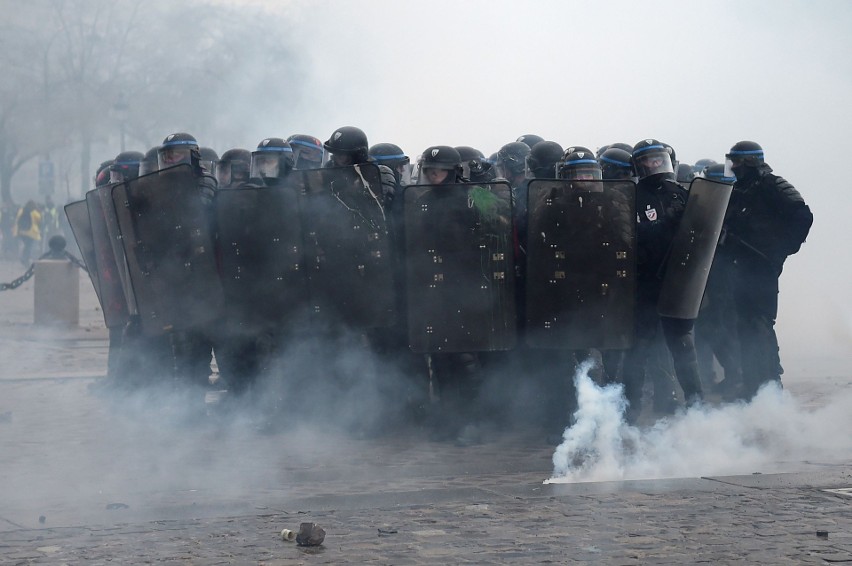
<point x="77" y="73"/>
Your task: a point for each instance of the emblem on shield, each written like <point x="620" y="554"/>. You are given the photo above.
<point x="651" y="213"/>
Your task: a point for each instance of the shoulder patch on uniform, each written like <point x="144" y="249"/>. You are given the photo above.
<point x="651" y="213"/>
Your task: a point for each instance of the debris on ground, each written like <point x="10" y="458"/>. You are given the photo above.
<point x="310" y="534"/>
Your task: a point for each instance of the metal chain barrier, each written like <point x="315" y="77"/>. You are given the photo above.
<point x="20" y="280"/>
<point x="28" y="274"/>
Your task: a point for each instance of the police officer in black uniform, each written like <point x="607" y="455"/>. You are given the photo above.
<point x="660" y="204"/>
<point x="244" y="349"/>
<point x="716" y="334"/>
<point x="233" y="168"/>
<point x="307" y="151"/>
<point x="193" y="348"/>
<point x="767" y="221"/>
<point x="458" y="375"/>
<point x="615" y="164"/>
<point x="475" y="166"/>
<point x="542" y="160"/>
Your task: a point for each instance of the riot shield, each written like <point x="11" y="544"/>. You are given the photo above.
<point x="115" y="238"/>
<point x="347" y="245"/>
<point x="693" y="249"/>
<point x="168" y="242"/>
<point x="581" y="244"/>
<point x="460" y="268"/>
<point x="77" y="213"/>
<point x="113" y="299"/>
<point x="261" y="253"/>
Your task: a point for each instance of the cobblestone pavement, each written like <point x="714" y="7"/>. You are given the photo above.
<point x="86" y="478"/>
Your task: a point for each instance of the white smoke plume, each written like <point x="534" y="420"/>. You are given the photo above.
<point x="773" y="432"/>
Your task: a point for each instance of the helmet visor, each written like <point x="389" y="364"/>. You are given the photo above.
<point x="307" y="156"/>
<point x="172" y="155"/>
<point x="652" y="162"/>
<point x="264" y="165"/>
<point x="404" y="173"/>
<point x="584" y="173"/>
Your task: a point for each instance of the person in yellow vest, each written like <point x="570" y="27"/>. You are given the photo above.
<point x="28" y="229"/>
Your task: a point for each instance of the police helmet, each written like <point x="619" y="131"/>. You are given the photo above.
<point x="542" y="160"/>
<point x="615" y="164"/>
<point x="512" y="159"/>
<point x="177" y="149"/>
<point x="233" y="168"/>
<point x="348" y="140"/>
<point x="716" y="172"/>
<point x="273" y="159"/>
<point x="125" y="166"/>
<point x="530" y="140"/>
<point x="652" y="157"/>
<point x="580" y="166"/>
<point x="475" y="166"/>
<point x="308" y="152"/>
<point x="746" y="153"/>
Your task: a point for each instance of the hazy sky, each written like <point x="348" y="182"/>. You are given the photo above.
<point x="698" y="75"/>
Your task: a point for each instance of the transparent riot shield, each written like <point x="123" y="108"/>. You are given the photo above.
<point x="460" y="268"/>
<point x="113" y="299"/>
<point x="166" y="229"/>
<point x="693" y="249"/>
<point x="77" y="213"/>
<point x="261" y="253"/>
<point x="580" y="264"/>
<point x="347" y="245"/>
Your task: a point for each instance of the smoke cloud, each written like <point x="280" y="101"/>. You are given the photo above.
<point x="774" y="432"/>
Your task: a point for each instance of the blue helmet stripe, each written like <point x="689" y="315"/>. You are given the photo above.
<point x="276" y="149"/>
<point x="179" y="142"/>
<point x="615" y="161"/>
<point x="388" y="157"/>
<point x="579" y="161"/>
<point x="648" y="148"/>
<point x="306" y="144"/>
<point x="747" y="152"/>
<point x="720" y="176"/>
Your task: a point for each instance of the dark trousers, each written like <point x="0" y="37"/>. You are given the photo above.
<point x="680" y="339"/>
<point x="756" y="299"/>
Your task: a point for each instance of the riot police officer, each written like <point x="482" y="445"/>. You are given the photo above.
<point x="767" y="221"/>
<point x="457" y="375"/>
<point x="542" y="160"/>
<point x="475" y="167"/>
<point x="244" y="347"/>
<point x="580" y="166"/>
<point x="702" y="164"/>
<point x="392" y="156"/>
<point x="148" y="164"/>
<point x="615" y="164"/>
<point x="271" y="162"/>
<point x="233" y="168"/>
<point x="209" y="158"/>
<point x="193" y="347"/>
<point x="660" y="204"/>
<point x="348" y="145"/>
<point x="103" y="173"/>
<point x="716" y="334"/>
<point x="307" y="151"/>
<point x="125" y="166"/>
